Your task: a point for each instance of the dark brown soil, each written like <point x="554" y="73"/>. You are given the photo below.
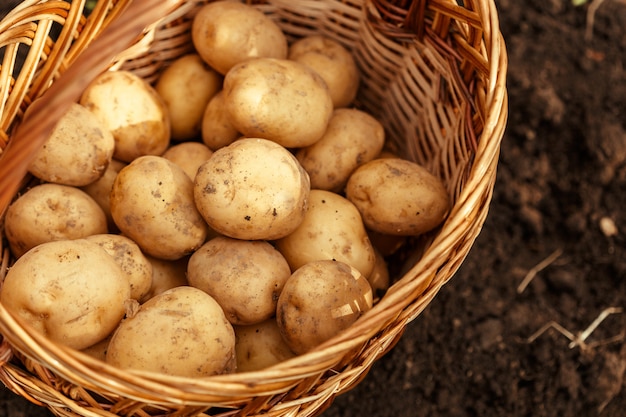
<point x="561" y="190"/>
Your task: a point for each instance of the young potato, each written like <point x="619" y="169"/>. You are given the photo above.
<point x="129" y="257"/>
<point x="244" y="277"/>
<point x="152" y="203"/>
<point x="77" y="152"/>
<point x="277" y="99"/>
<point x="379" y="279"/>
<point x="186" y="87"/>
<point x="100" y="190"/>
<point x="260" y="345"/>
<point x="132" y="110"/>
<point x="420" y="200"/>
<point x="217" y="130"/>
<point x="181" y="332"/>
<point x="225" y="33"/>
<point x="253" y="189"/>
<point x="319" y="300"/>
<point x="72" y="291"/>
<point x="333" y="62"/>
<point x="166" y="275"/>
<point x="189" y="156"/>
<point x="332" y="229"/>
<point x="50" y="212"/>
<point x="352" y="138"/>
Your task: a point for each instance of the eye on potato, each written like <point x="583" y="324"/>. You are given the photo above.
<point x="182" y="332"/>
<point x="225" y="33"/>
<point x="332" y="229"/>
<point x="244" y="277"/>
<point x="186" y="87"/>
<point x="132" y="110"/>
<point x="277" y="99"/>
<point x="352" y="138"/>
<point x="253" y="189"/>
<point x="152" y="203"/>
<point x="72" y="291"/>
<point x="77" y="152"/>
<point x="319" y="300"/>
<point x="420" y="200"/>
<point x="50" y="212"/>
<point x="333" y="62"/>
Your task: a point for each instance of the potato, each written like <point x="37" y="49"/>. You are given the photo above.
<point x="98" y="350"/>
<point x="319" y="300"/>
<point x="100" y="190"/>
<point x="72" y="291"/>
<point x="333" y="62"/>
<point x="166" y="275"/>
<point x="420" y="200"/>
<point x="226" y="33"/>
<point x="244" y="277"/>
<point x="181" y="332"/>
<point x="277" y="99"/>
<point x="132" y="110"/>
<point x="379" y="278"/>
<point x="253" y="189"/>
<point x="77" y="152"/>
<point x="50" y="212"/>
<point x="352" y="138"/>
<point x="260" y="345"/>
<point x="186" y="87"/>
<point x="152" y="203"/>
<point x="189" y="156"/>
<point x="129" y="257"/>
<point x="332" y="229"/>
<point x="217" y="130"/>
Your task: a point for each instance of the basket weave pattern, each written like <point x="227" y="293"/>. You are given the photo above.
<point x="433" y="72"/>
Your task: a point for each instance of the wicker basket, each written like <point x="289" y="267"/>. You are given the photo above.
<point x="433" y="72"/>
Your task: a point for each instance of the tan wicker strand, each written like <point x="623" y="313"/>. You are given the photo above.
<point x="433" y="72"/>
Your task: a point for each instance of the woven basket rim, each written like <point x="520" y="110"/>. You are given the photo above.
<point x="470" y="205"/>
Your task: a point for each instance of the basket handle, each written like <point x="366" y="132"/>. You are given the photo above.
<point x="42" y="115"/>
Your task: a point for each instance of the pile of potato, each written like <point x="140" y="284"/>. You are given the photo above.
<point x="220" y="220"/>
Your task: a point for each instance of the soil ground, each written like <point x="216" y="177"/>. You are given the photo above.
<point x="561" y="190"/>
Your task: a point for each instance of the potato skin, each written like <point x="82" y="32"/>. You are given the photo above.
<point x="333" y="62"/>
<point x="217" y="130"/>
<point x="132" y="110"/>
<point x="70" y="290"/>
<point x="182" y="332"/>
<point x="319" y="300"/>
<point x="332" y="229"/>
<point x="189" y="156"/>
<point x="226" y="33"/>
<point x="259" y="346"/>
<point x="129" y="257"/>
<point x="49" y="212"/>
<point x="352" y="138"/>
<point x="77" y="152"/>
<point x="152" y="203"/>
<point x="100" y="190"/>
<point x="253" y="189"/>
<point x="277" y="99"/>
<point x="420" y="200"/>
<point x="186" y="87"/>
<point x="244" y="277"/>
